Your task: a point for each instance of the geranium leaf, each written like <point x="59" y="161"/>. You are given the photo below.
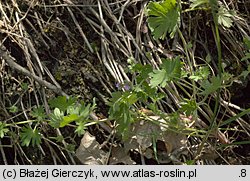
<point x="38" y="113"/>
<point x="200" y="74"/>
<point x="164" y="17"/>
<point x="211" y="86"/>
<point x="224" y="17"/>
<point x="62" y="102"/>
<point x="29" y="135"/>
<point x="158" y="77"/>
<point x="170" y="70"/>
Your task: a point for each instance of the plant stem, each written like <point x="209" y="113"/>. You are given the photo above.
<point x="214" y="7"/>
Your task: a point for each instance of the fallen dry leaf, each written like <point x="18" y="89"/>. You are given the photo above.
<point x="89" y="151"/>
<point x="120" y="155"/>
<point x="144" y="132"/>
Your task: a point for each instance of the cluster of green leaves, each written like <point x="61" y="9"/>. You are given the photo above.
<point x="224" y="16"/>
<point x="160" y="24"/>
<point x="120" y="109"/>
<point x="144" y="92"/>
<point x="69" y="110"/>
<point x="164" y="16"/>
<point x="65" y="111"/>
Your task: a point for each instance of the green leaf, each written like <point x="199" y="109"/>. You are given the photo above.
<point x="201" y="74"/>
<point x="29" y="135"/>
<point x="125" y="97"/>
<point x="226" y="78"/>
<point x="3" y="129"/>
<point x="211" y="86"/>
<point x="120" y="110"/>
<point x="208" y="58"/>
<point x="24" y="86"/>
<point x="56" y="118"/>
<point x="188" y="107"/>
<point x="74" y="109"/>
<point x="141" y="71"/>
<point x="71" y="147"/>
<point x="198" y="3"/>
<point x="142" y="88"/>
<point x="246" y="41"/>
<point x="224" y="17"/>
<point x="62" y="102"/>
<point x="74" y="112"/>
<point x="159" y="77"/>
<point x="59" y="138"/>
<point x="170" y="70"/>
<point x="81" y="110"/>
<point x="172" y="67"/>
<point x="190" y="162"/>
<point x="59" y="114"/>
<point x="245" y="72"/>
<point x="85" y="111"/>
<point x="163" y="18"/>
<point x="124" y="119"/>
<point x="80" y="130"/>
<point x="116" y="96"/>
<point x="13" y="109"/>
<point x="38" y="113"/>
<point x="68" y="119"/>
<point x="175" y="121"/>
<point x="153" y="107"/>
<point x="246" y="57"/>
<point x="131" y="98"/>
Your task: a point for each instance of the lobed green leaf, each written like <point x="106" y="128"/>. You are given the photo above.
<point x="163" y="18"/>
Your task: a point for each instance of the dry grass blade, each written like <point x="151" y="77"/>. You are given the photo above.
<point x="80" y="30"/>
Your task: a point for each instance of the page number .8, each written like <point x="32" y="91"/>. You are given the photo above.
<point x="243" y="173"/>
